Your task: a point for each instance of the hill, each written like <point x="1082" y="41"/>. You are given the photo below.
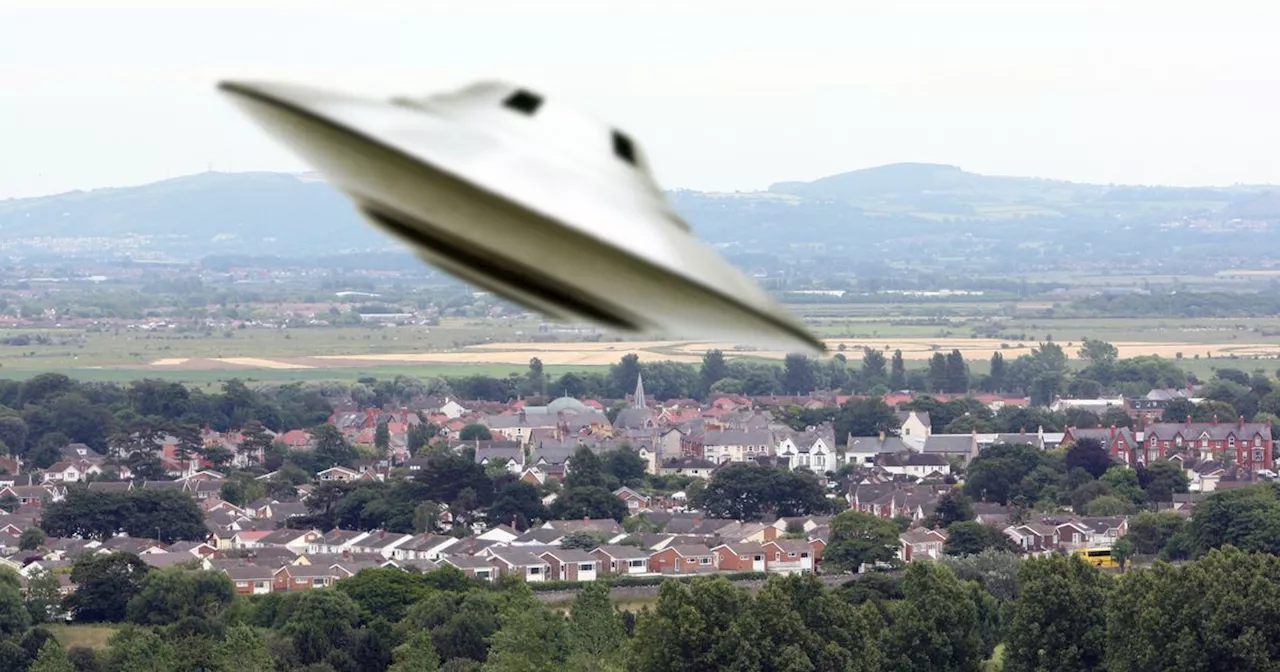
<point x="920" y="212"/>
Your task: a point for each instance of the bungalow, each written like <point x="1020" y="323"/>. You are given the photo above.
<point x="68" y="471"/>
<point x="571" y="564"/>
<point x="305" y="577"/>
<point x="788" y="556"/>
<point x="251" y="579"/>
<point x="739" y="556"/>
<point x="297" y="541"/>
<point x="683" y="559"/>
<point x="519" y="563"/>
<point x="471" y="566"/>
<point x="424" y="547"/>
<point x="338" y="475"/>
<point x="622" y="559"/>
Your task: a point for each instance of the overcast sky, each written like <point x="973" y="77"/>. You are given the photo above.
<point x="732" y="95"/>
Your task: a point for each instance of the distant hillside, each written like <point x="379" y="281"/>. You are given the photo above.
<point x="208" y="212"/>
<point x="911" y="211"/>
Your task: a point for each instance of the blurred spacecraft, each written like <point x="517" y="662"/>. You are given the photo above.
<point x="527" y="199"/>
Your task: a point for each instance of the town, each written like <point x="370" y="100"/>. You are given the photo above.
<point x="579" y="490"/>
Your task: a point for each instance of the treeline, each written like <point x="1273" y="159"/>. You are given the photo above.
<point x="40" y="416"/>
<point x="1055" y="613"/>
<point x="1181" y="304"/>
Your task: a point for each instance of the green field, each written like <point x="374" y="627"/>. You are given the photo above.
<point x="128" y="354"/>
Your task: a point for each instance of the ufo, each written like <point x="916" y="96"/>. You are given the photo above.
<point x="526" y="198"/>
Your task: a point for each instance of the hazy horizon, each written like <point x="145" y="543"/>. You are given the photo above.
<point x="724" y="97"/>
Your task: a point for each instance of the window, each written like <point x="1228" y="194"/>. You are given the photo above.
<point x="623" y="149"/>
<point x="1257" y="441"/>
<point x="533" y="571"/>
<point x="705" y="561"/>
<point x="523" y="101"/>
<point x="635" y="563"/>
<point x="586" y="566"/>
<point x="1257" y="456"/>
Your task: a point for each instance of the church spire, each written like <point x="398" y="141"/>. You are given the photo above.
<point x="638" y="401"/>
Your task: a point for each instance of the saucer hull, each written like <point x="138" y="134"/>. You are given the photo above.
<point x="571" y="273"/>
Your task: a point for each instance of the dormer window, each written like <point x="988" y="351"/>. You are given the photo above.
<point x="623" y="149"/>
<point x="523" y="101"/>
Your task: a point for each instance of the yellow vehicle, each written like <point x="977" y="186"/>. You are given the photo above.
<point x="1098" y="557"/>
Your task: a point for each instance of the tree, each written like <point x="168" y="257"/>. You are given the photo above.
<point x="952" y="507"/>
<point x="134" y="649"/>
<point x="596" y="630"/>
<point x="1150" y="532"/>
<point x="723" y="635"/>
<point x="859" y="539"/>
<point x="104" y="585"/>
<point x="997" y="472"/>
<point x="382" y="438"/>
<point x="873" y="364"/>
<point x="331" y="448"/>
<point x="1121" y="550"/>
<point x="416" y="654"/>
<point x="44" y="596"/>
<point x="1109" y="505"/>
<point x="713" y="369"/>
<point x="996" y="379"/>
<point x="898" y="372"/>
<point x="1115" y="416"/>
<point x="537" y="378"/>
<point x="938" y="372"/>
<point x="475" y="431"/>
<point x="588" y="502"/>
<point x="957" y="373"/>
<point x="31" y="539"/>
<point x="747" y="492"/>
<point x="1081" y="418"/>
<point x="1098" y="352"/>
<point x="1247" y="518"/>
<point x="385" y="592"/>
<point x="584" y="540"/>
<point x="321" y="622"/>
<point x="1178" y="410"/>
<point x="52" y="659"/>
<point x="426" y="517"/>
<point x="1088" y="454"/>
<point x="936" y="625"/>
<point x="14" y="617"/>
<point x="864" y="417"/>
<point x="532" y="637"/>
<point x="1056" y="624"/>
<point x="1162" y="479"/>
<point x="9" y="503"/>
<point x="625" y="465"/>
<point x="798" y="375"/>
<point x="518" y="503"/>
<point x="971" y="537"/>
<point x="169" y="595"/>
<point x="244" y="650"/>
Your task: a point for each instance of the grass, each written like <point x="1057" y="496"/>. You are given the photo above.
<point x="997" y="660"/>
<point x="91" y="636"/>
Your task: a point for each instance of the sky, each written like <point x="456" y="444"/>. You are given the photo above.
<point x="721" y="95"/>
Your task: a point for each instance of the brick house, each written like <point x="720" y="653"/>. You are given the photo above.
<point x="788" y="556"/>
<point x="1247" y="444"/>
<point x="683" y="559"/>
<point x="739" y="556"/>
<point x="921" y="544"/>
<point x="622" y="559"/>
<point x="571" y="564"/>
<point x="251" y="579"/>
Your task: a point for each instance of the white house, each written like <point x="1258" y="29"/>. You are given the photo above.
<point x="808" y="452"/>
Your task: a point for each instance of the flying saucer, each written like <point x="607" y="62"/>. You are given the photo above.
<point x="528" y="199"/>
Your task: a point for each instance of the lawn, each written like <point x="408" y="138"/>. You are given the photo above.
<point x="91" y="636"/>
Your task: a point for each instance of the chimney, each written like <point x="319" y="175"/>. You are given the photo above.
<point x="1215" y="419"/>
<point x="1188" y="419"/>
<point x="1240" y="422"/>
<point x="382" y="534"/>
<point x="1113" y="433"/>
<point x="882" y="437"/>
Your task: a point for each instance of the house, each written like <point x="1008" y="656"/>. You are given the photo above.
<point x="1119" y="442"/>
<point x="814" y="451"/>
<point x="604" y="526"/>
<point x="337" y="475"/>
<point x="71" y="471"/>
<point x="501" y="534"/>
<point x="1034" y="538"/>
<point x="921" y="544"/>
<point x="733" y="445"/>
<point x="297" y="541"/>
<point x="471" y="566"/>
<point x="917" y="465"/>
<point x="862" y="450"/>
<point x="634" y="500"/>
<point x="520" y="563"/>
<point x="622" y="559"/>
<point x="788" y="556"/>
<point x="305" y="577"/>
<point x="571" y="564"/>
<point x="423" y="547"/>
<point x="914" y="426"/>
<point x="688" y="466"/>
<point x="1247" y="444"/>
<point x="251" y="579"/>
<point x="739" y="556"/>
<point x="682" y="559"/>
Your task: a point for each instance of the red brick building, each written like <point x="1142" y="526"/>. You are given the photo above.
<point x="1247" y="444"/>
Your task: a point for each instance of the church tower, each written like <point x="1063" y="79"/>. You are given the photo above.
<point x="638" y="401"/>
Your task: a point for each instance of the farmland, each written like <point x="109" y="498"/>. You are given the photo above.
<point x="502" y="346"/>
